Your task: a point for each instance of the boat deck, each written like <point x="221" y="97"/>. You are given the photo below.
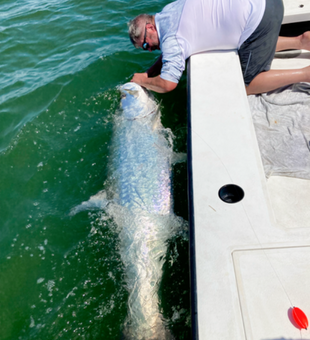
<point x="249" y="259"/>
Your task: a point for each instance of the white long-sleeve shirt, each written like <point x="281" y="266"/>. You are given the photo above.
<point x="186" y="27"/>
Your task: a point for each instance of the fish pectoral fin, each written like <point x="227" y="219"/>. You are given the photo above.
<point x="98" y="201"/>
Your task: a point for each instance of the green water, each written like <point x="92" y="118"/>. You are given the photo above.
<point x="61" y="277"/>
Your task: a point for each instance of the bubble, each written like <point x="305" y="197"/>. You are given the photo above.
<point x="50" y="284"/>
<point x="32" y="323"/>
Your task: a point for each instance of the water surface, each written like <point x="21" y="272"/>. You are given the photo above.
<point x="61" y="277"/>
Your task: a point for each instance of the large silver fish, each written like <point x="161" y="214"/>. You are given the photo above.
<point x="140" y="169"/>
<point x="142" y="164"/>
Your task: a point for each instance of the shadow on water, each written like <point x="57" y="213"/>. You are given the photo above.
<point x="174" y="289"/>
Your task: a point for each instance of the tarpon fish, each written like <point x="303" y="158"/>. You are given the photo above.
<point x="142" y="161"/>
<point x="140" y="169"/>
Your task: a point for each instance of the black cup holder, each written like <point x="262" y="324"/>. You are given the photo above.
<point x="231" y="193"/>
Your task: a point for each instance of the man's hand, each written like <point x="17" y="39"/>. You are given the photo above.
<point x="140" y="78"/>
<point x="156" y="84"/>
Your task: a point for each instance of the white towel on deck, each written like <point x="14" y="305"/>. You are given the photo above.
<point x="282" y="123"/>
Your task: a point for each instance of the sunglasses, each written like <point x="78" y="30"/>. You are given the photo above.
<point x="145" y="45"/>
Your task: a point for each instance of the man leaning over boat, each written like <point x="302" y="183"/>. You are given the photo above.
<point x="186" y="27"/>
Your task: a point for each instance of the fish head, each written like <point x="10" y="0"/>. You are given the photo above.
<point x="136" y="101"/>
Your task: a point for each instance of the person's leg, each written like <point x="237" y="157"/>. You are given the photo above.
<point x="274" y="79"/>
<point x="257" y="52"/>
<point x="301" y="42"/>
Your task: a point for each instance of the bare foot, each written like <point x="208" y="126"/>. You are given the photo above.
<point x="305" y="41"/>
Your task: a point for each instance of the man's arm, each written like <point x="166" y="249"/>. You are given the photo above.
<point x="156" y="84"/>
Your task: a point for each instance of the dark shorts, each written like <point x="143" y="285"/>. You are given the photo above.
<point x="257" y="52"/>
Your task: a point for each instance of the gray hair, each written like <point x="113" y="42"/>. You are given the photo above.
<point x="136" y="25"/>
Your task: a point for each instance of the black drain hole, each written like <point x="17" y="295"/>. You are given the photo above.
<point x="231" y="193"/>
